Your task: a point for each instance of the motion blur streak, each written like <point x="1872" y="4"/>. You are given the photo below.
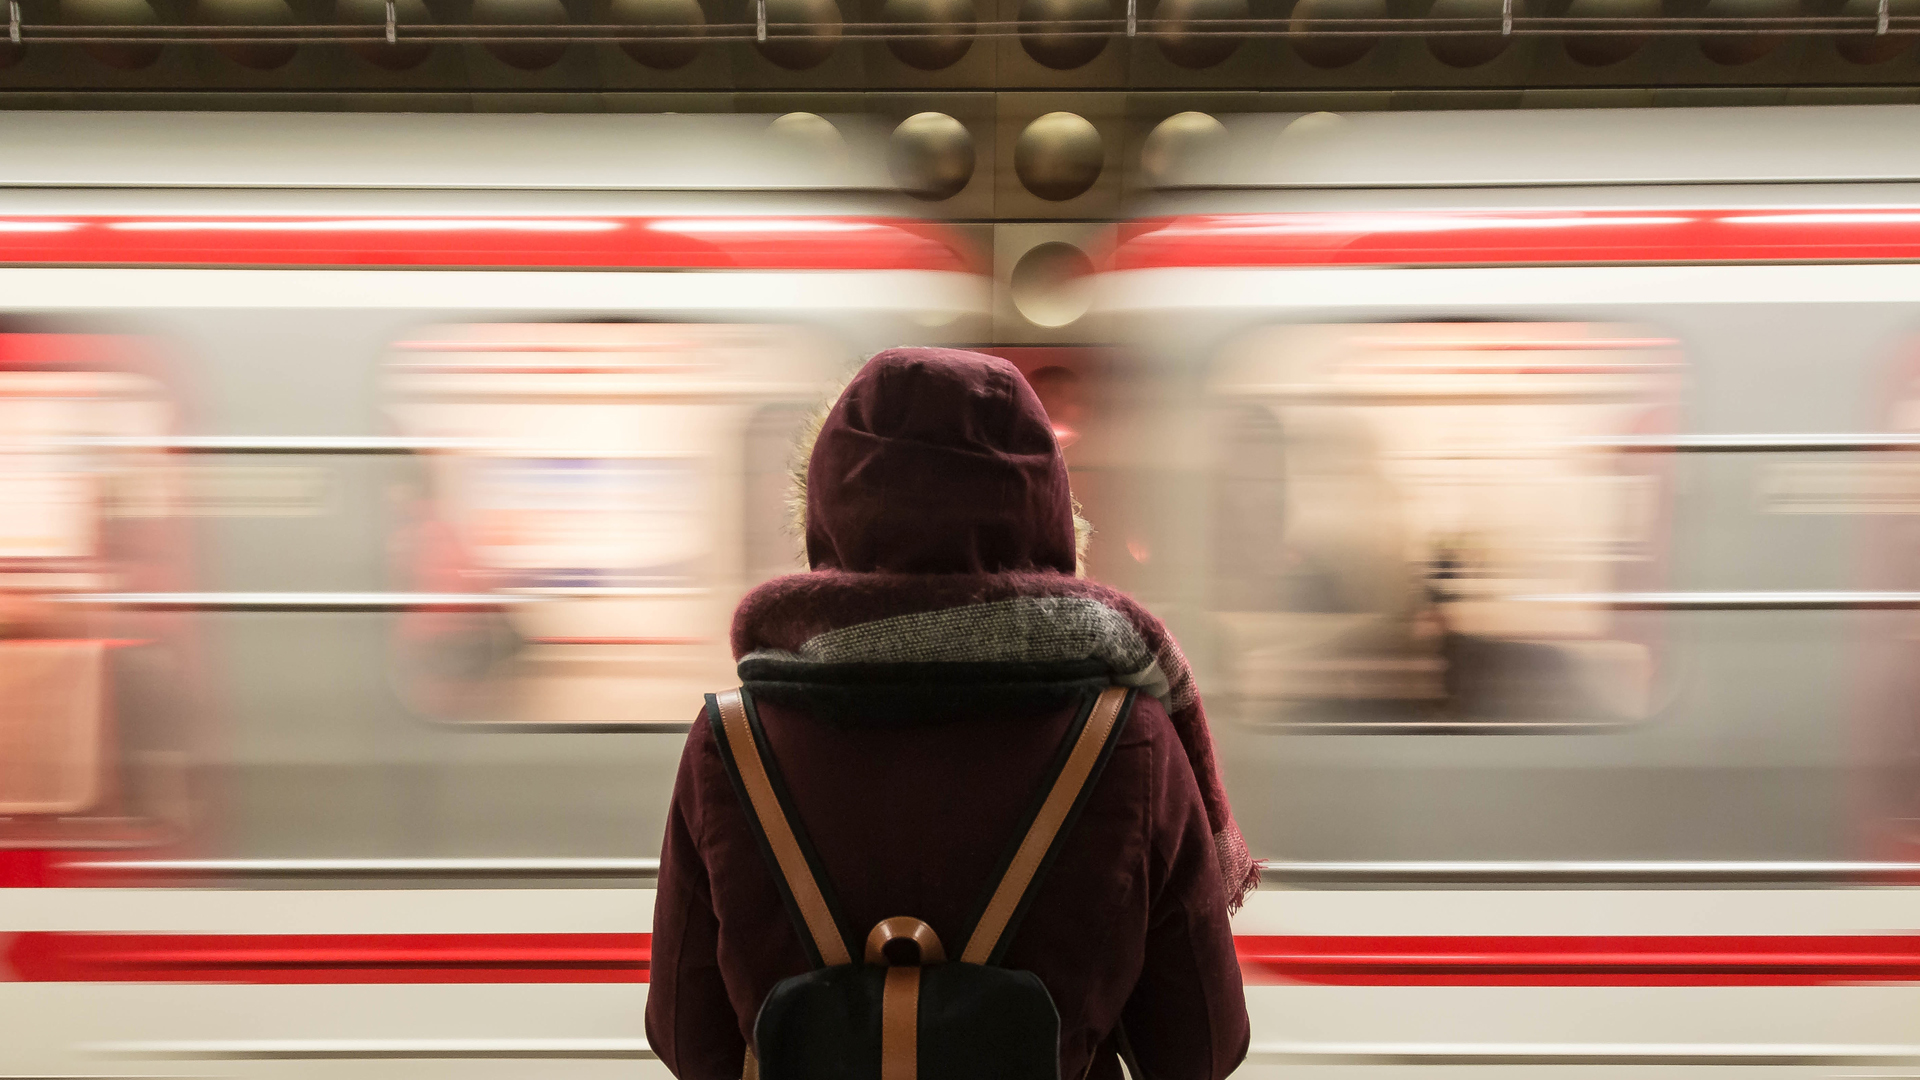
<point x="752" y="243"/>
<point x="281" y="959"/>
<point x="316" y="499"/>
<point x="762" y="225"/>
<point x="1535" y="494"/>
<point x="276" y="959"/>
<point x="370" y="225"/>
<point x="1467" y="237"/>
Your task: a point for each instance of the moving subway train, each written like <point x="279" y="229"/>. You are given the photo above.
<point x="1529" y="489"/>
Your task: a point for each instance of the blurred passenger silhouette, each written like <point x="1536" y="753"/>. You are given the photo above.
<point x="1346" y="521"/>
<point x="914" y="690"/>
<point x="452" y="662"/>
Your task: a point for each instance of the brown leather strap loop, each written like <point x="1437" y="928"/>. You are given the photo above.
<point x="904" y="928"/>
<point x="765" y="805"/>
<point x="900" y="1025"/>
<point x="1046" y="825"/>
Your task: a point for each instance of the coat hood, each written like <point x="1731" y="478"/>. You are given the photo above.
<point x="938" y="461"/>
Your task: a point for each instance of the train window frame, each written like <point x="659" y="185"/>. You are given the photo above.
<point x="1423" y="629"/>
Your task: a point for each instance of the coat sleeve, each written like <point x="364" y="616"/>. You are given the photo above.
<point x="1187" y="1016"/>
<point x="691" y="1023"/>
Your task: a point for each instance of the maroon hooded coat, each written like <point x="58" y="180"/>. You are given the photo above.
<point x="911" y="777"/>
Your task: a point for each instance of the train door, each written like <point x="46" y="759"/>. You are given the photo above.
<point x="593" y="480"/>
<point x="94" y="703"/>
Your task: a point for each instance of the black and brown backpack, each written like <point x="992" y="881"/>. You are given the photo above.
<point x="900" y="1009"/>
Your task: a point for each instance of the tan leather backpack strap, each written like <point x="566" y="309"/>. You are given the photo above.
<point x="763" y="804"/>
<point x="750" y="1068"/>
<point x="900" y="994"/>
<point x="1088" y="753"/>
<point x="900" y="1024"/>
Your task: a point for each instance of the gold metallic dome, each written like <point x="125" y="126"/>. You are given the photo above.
<point x="931" y="155"/>
<point x="809" y="138"/>
<point x="113" y="13"/>
<point x="1064" y="34"/>
<point x="941" y="31"/>
<point x="1052" y="284"/>
<point x="1188" y="35"/>
<point x="1178" y="139"/>
<point x="264" y="14"/>
<point x="1332" y="45"/>
<point x="1870" y="48"/>
<point x="801" y="34"/>
<point x="680" y="20"/>
<point x="402" y="54"/>
<point x="1470" y="50"/>
<point x="1744" y="48"/>
<point x="1058" y="156"/>
<point x="1599" y="50"/>
<point x="527" y="56"/>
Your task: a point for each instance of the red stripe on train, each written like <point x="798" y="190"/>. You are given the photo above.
<point x="624" y="958"/>
<point x="328" y="958"/>
<point x="1521" y="237"/>
<point x="679" y="243"/>
<point x="1581" y="961"/>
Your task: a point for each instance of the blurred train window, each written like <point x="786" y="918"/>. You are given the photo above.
<point x="84" y="692"/>
<point x="1391" y="501"/>
<point x="616" y="480"/>
<point x="773" y="540"/>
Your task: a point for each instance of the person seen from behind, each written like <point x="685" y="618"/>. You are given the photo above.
<point x="920" y="698"/>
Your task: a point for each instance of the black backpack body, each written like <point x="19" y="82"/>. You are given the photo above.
<point x="901" y="1009"/>
<point x="973" y="1022"/>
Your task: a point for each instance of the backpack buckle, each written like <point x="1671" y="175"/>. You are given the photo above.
<point x="890" y="937"/>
